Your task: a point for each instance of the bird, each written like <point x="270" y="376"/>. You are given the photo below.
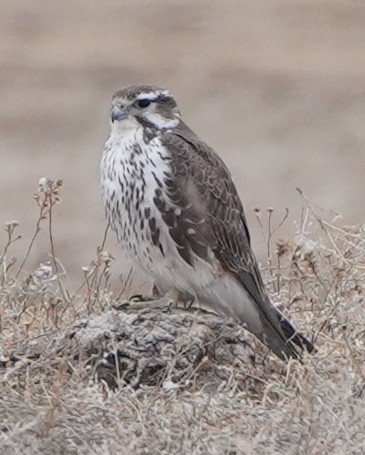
<point x="175" y="209"/>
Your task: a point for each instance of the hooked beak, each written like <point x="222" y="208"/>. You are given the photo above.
<point x="118" y="114"/>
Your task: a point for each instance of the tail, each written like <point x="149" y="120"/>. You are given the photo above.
<point x="228" y="297"/>
<point x="279" y="334"/>
<point x="292" y="335"/>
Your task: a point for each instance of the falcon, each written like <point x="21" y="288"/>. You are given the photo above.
<point x="174" y="207"/>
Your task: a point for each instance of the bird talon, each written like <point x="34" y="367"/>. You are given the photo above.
<point x="122" y="305"/>
<point x="139" y="298"/>
<point x="170" y="306"/>
<point x="189" y="303"/>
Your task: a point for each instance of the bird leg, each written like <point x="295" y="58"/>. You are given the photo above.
<point x="171" y="299"/>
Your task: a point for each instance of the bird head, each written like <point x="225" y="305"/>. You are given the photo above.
<point x="144" y="105"/>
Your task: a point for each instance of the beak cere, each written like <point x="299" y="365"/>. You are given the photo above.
<point x="118" y="114"/>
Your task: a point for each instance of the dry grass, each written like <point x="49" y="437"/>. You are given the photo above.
<point x="81" y="375"/>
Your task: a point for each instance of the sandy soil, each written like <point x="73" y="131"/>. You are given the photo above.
<point x="278" y="88"/>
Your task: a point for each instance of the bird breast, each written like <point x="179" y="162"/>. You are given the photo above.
<point x="133" y="172"/>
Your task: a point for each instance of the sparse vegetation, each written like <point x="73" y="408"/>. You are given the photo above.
<point x="83" y="373"/>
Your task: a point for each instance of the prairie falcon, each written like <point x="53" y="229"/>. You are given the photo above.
<point x="173" y="205"/>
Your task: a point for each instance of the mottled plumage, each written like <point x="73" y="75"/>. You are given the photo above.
<point x="173" y="205"/>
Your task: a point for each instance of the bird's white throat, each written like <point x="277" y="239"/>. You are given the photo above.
<point x="130" y="123"/>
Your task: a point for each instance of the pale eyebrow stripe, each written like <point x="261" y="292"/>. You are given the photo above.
<point x="153" y="96"/>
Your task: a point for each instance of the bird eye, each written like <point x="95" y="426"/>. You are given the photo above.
<point x="143" y="103"/>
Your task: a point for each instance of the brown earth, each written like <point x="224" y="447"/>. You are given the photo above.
<point x="278" y="88"/>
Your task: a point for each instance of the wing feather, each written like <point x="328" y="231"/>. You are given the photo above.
<point x="212" y="212"/>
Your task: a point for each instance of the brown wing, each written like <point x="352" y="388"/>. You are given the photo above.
<point x="211" y="209"/>
<point x="211" y="215"/>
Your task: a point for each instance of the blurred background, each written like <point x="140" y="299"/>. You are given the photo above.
<point x="276" y="87"/>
